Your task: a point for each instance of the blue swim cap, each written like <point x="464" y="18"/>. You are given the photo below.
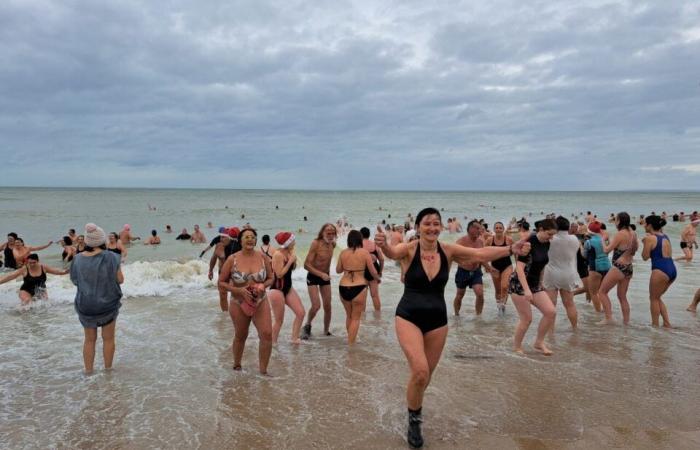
<point x="222" y="229"/>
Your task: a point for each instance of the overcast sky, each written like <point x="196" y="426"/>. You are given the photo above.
<point x="342" y="94"/>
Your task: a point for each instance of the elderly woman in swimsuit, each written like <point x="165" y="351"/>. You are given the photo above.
<point x="421" y="315"/>
<point x="247" y="274"/>
<point x="352" y="263"/>
<point x="34" y="284"/>
<point x="623" y="245"/>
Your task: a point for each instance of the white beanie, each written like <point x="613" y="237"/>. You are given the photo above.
<point x="94" y="235"/>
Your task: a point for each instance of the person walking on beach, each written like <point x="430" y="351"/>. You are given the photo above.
<point x="318" y="278"/>
<point x="421" y="315"/>
<point x="598" y="262"/>
<point x="34" y="281"/>
<point x="657" y="247"/>
<point x="282" y="292"/>
<point x="693" y="307"/>
<point x="246" y="274"/>
<point x="470" y="275"/>
<point x="352" y="263"/>
<point x="623" y="245"/>
<point x="689" y="240"/>
<point x="502" y="267"/>
<point x="560" y="276"/>
<point x="97" y="274"/>
<point x="526" y="288"/>
<point x="378" y="262"/>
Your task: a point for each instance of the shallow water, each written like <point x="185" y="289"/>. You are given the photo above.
<point x="173" y="385"/>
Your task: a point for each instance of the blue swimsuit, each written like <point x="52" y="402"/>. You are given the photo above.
<point x="659" y="262"/>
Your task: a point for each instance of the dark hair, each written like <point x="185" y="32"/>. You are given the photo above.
<point x="319" y="237"/>
<point x="655" y="221"/>
<point x="496" y="223"/>
<point x="472" y="222"/>
<point x="13" y="235"/>
<point x="33" y="256"/>
<point x="67" y="240"/>
<point x="427" y="212"/>
<point x="562" y="223"/>
<point x="603" y="226"/>
<point x="89" y="249"/>
<point x="19" y="239"/>
<point x="154" y="232"/>
<point x="266" y="239"/>
<point x="244" y="230"/>
<point x="623" y="220"/>
<point x="633" y="227"/>
<point x="354" y="239"/>
<point x="545" y="225"/>
<point x="524" y="225"/>
<point x="364" y="231"/>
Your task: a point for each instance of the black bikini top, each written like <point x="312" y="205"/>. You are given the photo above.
<point x="416" y="279"/>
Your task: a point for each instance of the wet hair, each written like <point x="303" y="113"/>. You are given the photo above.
<point x="545" y="225"/>
<point x="247" y="230"/>
<point x="524" y="225"/>
<point x="354" y="239"/>
<point x="33" y="256"/>
<point x="319" y="237"/>
<point x="472" y="222"/>
<point x="562" y="223"/>
<point x="13" y="235"/>
<point x="67" y="240"/>
<point x="115" y="234"/>
<point x="72" y="230"/>
<point x="154" y="233"/>
<point x="19" y="239"/>
<point x="427" y="212"/>
<point x="364" y="231"/>
<point x="266" y="239"/>
<point x="656" y="222"/>
<point x="623" y="220"/>
<point x="89" y="249"/>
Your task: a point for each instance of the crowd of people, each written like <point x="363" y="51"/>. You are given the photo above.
<point x="557" y="258"/>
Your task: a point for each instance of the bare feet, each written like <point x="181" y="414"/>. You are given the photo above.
<point x="519" y="350"/>
<point x="691" y="309"/>
<point x="542" y="348"/>
<point x="606" y="322"/>
<point x="296" y="341"/>
<point x="237" y="367"/>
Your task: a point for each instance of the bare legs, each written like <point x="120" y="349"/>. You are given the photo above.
<point x="223" y="299"/>
<point x="108" y="346"/>
<point x="693" y="307"/>
<point x="658" y="285"/>
<point x="615" y="277"/>
<point x="567" y="298"/>
<point x="423" y="354"/>
<point x="594" y="280"/>
<point x="241" y="323"/>
<point x="374" y="292"/>
<point x="478" y="302"/>
<point x="542" y="302"/>
<point x="278" y="301"/>
<point x="316" y="294"/>
<point x="354" y="310"/>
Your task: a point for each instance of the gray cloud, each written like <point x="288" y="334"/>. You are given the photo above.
<point x="398" y="95"/>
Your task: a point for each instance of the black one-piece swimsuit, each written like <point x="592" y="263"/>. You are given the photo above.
<point x="423" y="300"/>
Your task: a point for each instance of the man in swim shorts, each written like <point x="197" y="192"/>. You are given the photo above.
<point x="318" y="279"/>
<point x="470" y="276"/>
<point x="689" y="240"/>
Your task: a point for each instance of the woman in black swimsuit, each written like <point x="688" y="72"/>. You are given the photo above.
<point x="282" y="293"/>
<point x="68" y="249"/>
<point x="34" y="282"/>
<point x="421" y="316"/>
<point x="503" y="267"/>
<point x="352" y="263"/>
<point x="114" y="245"/>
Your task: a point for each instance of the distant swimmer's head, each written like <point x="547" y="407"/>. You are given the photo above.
<point x="411" y="235"/>
<point x="622" y="220"/>
<point x="595" y="227"/>
<point x="266" y="239"/>
<point x="429" y="223"/>
<point x="364" y="231"/>
<point x="562" y="223"/>
<point x="127" y="227"/>
<point x="94" y="236"/>
<point x="222" y="230"/>
<point x="154" y="233"/>
<point x="196" y="227"/>
<point x="67" y="241"/>
<point x="654" y="223"/>
<point x="354" y="239"/>
<point x="285" y="239"/>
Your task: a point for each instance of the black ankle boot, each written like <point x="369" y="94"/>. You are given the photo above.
<point x="414" y="435"/>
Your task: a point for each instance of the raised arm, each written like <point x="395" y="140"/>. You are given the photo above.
<point x="54" y="271"/>
<point x="36" y="249"/>
<point x="11" y="276"/>
<point x="394" y="252"/>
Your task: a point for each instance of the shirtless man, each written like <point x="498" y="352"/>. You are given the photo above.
<point x="227" y="246"/>
<point x="688" y="240"/>
<point x="125" y="235"/>
<point x="397" y="235"/>
<point x="471" y="275"/>
<point x="451" y="225"/>
<point x="318" y="279"/>
<point x="197" y="236"/>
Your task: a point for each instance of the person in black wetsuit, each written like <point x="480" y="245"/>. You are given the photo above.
<point x="421" y="315"/>
<point x="34" y="282"/>
<point x="526" y="287"/>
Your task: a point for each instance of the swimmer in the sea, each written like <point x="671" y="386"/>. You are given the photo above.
<point x="197" y="236"/>
<point x="154" y="239"/>
<point x="34" y="281"/>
